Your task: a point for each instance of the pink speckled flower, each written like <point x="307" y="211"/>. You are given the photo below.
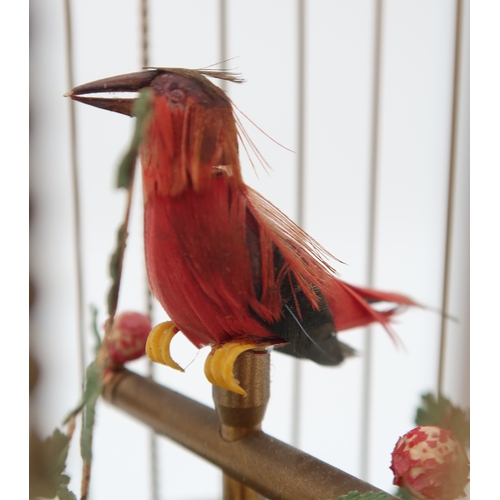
<point x="431" y="464"/>
<point x="128" y="337"/>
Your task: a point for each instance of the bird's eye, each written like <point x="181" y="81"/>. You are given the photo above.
<point x="176" y="95"/>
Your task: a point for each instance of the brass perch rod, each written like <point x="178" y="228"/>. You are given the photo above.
<point x="272" y="468"/>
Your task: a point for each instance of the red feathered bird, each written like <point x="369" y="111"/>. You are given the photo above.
<point x="229" y="268"/>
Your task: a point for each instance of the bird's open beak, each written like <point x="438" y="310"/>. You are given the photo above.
<point x="131" y="82"/>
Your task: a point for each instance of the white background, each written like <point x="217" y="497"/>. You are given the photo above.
<point x="414" y="151"/>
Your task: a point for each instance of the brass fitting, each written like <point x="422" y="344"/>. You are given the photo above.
<point x="242" y="415"/>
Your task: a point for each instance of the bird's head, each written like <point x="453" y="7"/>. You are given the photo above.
<point x="191" y="136"/>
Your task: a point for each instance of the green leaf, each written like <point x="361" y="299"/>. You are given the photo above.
<point x="126" y="169"/>
<point x="116" y="258"/>
<point x="142" y="111"/>
<point x="95" y="329"/>
<point x="404" y="494"/>
<point x="93" y="388"/>
<point x="47" y="464"/>
<point x="442" y="413"/>
<point x="115" y="265"/>
<point x="371" y="495"/>
<point x="64" y="494"/>
<point x="91" y="393"/>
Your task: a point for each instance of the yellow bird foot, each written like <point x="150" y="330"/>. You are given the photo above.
<point x="158" y="344"/>
<point x="219" y="364"/>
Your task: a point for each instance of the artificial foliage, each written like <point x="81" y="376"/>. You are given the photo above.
<point x="404" y="494"/>
<point x="441" y="412"/>
<point x="91" y="391"/>
<point x="371" y="495"/>
<point x="124" y="179"/>
<point x="47" y="465"/>
<point x="48" y="458"/>
<point x="93" y="387"/>
<point x="142" y="111"/>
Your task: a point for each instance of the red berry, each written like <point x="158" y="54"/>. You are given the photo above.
<point x="431" y="464"/>
<point x="128" y="337"/>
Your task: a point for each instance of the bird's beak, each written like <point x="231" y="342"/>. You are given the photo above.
<point x="131" y="82"/>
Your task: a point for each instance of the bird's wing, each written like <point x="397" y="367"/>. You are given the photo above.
<point x="315" y="304"/>
<point x="287" y="266"/>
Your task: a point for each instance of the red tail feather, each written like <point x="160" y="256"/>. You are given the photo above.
<point x="351" y="306"/>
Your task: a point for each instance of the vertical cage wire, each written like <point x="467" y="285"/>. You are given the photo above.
<point x="372" y="218"/>
<point x="301" y="180"/>
<point x="153" y="439"/>
<point x="76" y="192"/>
<point x="451" y="194"/>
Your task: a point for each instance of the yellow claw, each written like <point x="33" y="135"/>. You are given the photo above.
<point x="208" y="367"/>
<point x="158" y="344"/>
<point x="220" y="362"/>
